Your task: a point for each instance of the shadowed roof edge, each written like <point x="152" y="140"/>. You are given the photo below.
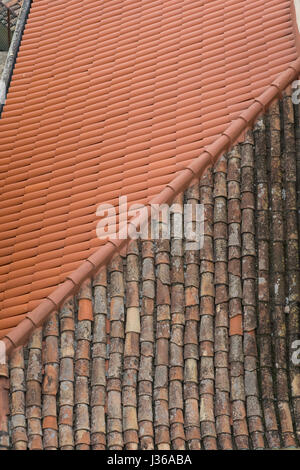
<point x="19" y="334"/>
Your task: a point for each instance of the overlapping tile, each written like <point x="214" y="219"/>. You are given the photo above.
<point x="166" y="79"/>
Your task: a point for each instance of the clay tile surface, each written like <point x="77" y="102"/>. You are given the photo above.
<point x="14" y="11"/>
<point x="114" y="99"/>
<point x="174" y="349"/>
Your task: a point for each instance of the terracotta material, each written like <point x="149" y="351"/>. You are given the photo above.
<point x="98" y="259"/>
<point x="10" y="3"/>
<point x="56" y="170"/>
<point x="170" y="349"/>
<point x="296" y="25"/>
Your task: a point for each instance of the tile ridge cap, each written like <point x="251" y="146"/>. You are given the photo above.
<point x="209" y="156"/>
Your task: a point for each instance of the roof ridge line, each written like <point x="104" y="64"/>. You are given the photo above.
<point x="210" y="155"/>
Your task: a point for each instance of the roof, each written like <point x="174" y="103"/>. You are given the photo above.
<point x="117" y="108"/>
<point x="172" y="349"/>
<point x="12" y="4"/>
<point x="192" y="348"/>
<point x="14" y="11"/>
<point x="4" y="36"/>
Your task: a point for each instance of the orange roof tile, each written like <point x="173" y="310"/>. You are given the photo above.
<point x="113" y="100"/>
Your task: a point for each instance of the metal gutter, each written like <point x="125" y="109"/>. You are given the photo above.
<point x="13" y="52"/>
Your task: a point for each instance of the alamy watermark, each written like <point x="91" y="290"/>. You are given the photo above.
<point x="296" y="92"/>
<point x="164" y="222"/>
